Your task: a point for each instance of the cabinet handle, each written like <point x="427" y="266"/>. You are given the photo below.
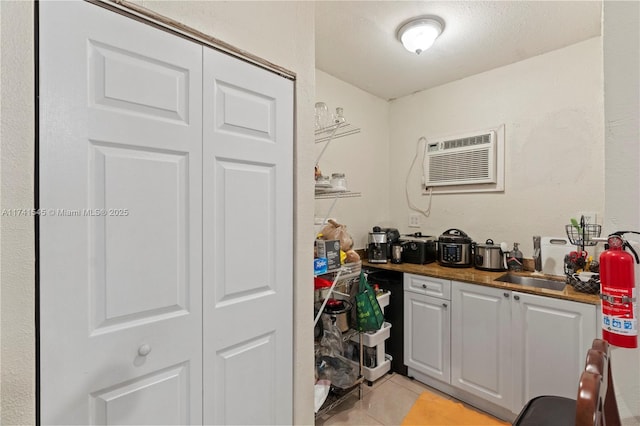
<point x="516" y="297"/>
<point x="444" y="305"/>
<point x="506" y="294"/>
<point x="424" y="286"/>
<point x="144" y="350"/>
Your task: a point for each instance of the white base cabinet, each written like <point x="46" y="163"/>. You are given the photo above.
<point x="491" y="347"/>
<point x="481" y="342"/>
<point x="427" y="325"/>
<point x="509" y="347"/>
<point x="550" y="339"/>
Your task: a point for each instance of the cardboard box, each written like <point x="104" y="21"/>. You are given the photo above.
<point x="319" y="265"/>
<point x="330" y="250"/>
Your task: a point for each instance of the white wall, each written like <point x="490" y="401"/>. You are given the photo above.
<point x="551" y="106"/>
<point x="280" y="32"/>
<point x="621" y="49"/>
<point x="17" y="270"/>
<point x="362" y="157"/>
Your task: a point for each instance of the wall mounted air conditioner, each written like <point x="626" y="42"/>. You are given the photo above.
<point x="466" y="159"/>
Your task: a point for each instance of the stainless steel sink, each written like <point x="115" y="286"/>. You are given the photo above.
<point x="532" y="281"/>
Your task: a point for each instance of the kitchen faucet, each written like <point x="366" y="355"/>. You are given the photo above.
<point x="537" y="255"/>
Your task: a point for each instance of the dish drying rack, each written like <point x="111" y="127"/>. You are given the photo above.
<point x="584" y="234"/>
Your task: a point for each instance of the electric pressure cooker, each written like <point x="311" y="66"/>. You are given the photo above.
<point x="455" y="249"/>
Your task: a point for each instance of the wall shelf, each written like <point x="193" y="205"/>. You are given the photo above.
<point x="335" y="195"/>
<point x="332" y="132"/>
<point x="335" y="131"/>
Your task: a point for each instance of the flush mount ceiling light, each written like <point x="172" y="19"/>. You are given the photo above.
<point x="417" y="35"/>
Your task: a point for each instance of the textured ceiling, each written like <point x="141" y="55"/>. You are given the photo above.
<point x="356" y="40"/>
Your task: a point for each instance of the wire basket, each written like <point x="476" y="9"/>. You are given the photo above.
<point x="584" y="236"/>
<point x="592" y="286"/>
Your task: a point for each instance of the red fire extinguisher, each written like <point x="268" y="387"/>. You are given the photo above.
<point x="618" y="293"/>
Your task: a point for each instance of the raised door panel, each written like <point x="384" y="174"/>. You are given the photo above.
<point x="140" y="270"/>
<point x="481" y="342"/>
<point x="130" y="402"/>
<point x="120" y="185"/>
<point x="551" y="339"/>
<point x="427" y="330"/>
<point x="248" y="238"/>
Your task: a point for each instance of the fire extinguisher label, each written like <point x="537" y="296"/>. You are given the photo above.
<point x="619" y="313"/>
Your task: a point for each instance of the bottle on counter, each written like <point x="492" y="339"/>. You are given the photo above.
<point x="514" y="261"/>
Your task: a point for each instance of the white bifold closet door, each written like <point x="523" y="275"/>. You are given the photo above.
<point x="247" y="224"/>
<point x="130" y="332"/>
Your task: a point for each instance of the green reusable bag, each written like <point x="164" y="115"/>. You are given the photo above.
<point x="370" y="317"/>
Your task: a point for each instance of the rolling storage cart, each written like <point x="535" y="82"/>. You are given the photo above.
<point x="373" y="360"/>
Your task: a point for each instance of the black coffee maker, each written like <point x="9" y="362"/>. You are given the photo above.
<point x="380" y="242"/>
<point x="377" y="248"/>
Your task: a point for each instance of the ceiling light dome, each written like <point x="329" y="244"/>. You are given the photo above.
<point x="418" y="34"/>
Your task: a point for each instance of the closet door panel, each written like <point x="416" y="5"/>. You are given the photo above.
<point x="247" y="246"/>
<point x="120" y="187"/>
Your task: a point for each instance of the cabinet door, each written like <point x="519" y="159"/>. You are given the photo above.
<point x="427" y="335"/>
<point x="480" y="342"/>
<point x="550" y="340"/>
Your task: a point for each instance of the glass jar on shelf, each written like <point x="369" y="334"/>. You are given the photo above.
<point x="338" y="182"/>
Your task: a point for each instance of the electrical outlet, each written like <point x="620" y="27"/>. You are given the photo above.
<point x="414" y="221"/>
<point x="589" y="217"/>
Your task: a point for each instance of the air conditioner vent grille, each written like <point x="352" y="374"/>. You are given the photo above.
<point x="470" y="141"/>
<point x="467" y="166"/>
<point x="464" y="159"/>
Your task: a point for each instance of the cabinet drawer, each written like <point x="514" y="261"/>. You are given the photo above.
<point x="429" y="286"/>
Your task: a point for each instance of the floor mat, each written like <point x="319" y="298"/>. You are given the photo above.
<point x="433" y="410"/>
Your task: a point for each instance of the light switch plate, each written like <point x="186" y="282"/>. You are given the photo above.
<point x="414" y="221"/>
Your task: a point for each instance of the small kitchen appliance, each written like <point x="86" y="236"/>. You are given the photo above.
<point x="418" y="249"/>
<point x="392" y="238"/>
<point x="489" y="257"/>
<point x="377" y="249"/>
<point x="396" y="253"/>
<point x="339" y="311"/>
<point x="455" y="249"/>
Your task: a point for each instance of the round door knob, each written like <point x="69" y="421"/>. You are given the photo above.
<point x="444" y="305"/>
<point x="424" y="286"/>
<point x="506" y="294"/>
<point x="144" y="350"/>
<point x="516" y="297"/>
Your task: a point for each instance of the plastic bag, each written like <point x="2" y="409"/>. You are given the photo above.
<point x="335" y="231"/>
<point x="338" y="370"/>
<point x="321" y="391"/>
<point x="370" y="317"/>
<point x="351" y="256"/>
<point x="331" y="342"/>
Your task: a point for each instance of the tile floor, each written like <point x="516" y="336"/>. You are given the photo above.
<point x="387" y="402"/>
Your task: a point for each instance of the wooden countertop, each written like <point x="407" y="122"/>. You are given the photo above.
<point x="486" y="278"/>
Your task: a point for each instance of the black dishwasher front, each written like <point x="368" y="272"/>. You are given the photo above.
<point x="393" y="314"/>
